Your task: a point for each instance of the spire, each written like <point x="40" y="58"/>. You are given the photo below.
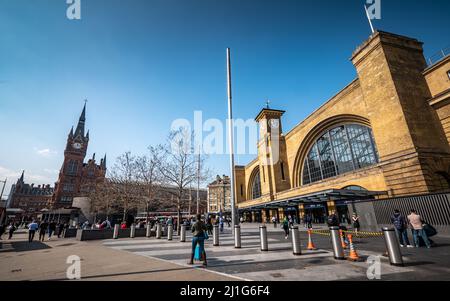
<point x="81" y="121"/>
<point x="104" y="162"/>
<point x="93" y="157"/>
<point x="87" y="135"/>
<point x="71" y="133"/>
<point x="22" y="176"/>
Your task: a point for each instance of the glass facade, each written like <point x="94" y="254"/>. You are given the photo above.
<point x="340" y="150"/>
<point x="256" y="186"/>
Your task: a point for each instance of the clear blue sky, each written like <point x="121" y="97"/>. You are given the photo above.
<point x="144" y="63"/>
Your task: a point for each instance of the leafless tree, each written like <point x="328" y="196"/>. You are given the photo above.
<point x="124" y="180"/>
<point x="103" y="198"/>
<point x="178" y="165"/>
<point x="149" y="175"/>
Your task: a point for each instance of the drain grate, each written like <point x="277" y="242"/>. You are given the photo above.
<point x="277" y="275"/>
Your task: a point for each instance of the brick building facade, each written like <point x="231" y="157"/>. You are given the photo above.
<point x="386" y="134"/>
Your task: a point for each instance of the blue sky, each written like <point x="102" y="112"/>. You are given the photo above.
<point x="144" y="63"/>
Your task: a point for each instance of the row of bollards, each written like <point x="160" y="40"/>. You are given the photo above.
<point x="337" y="240"/>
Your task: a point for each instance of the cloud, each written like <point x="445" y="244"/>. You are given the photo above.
<point x="51" y="171"/>
<point x="46" y="152"/>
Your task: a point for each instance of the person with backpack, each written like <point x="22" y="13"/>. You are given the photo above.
<point x="416" y="223"/>
<point x="401" y="226"/>
<point x="42" y="230"/>
<point x="333" y="220"/>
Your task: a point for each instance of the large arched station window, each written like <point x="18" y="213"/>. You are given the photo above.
<point x="340" y="150"/>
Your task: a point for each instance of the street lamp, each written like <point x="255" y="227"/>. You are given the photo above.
<point x="1" y="195"/>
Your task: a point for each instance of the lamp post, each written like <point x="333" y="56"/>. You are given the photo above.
<point x="1" y="195"/>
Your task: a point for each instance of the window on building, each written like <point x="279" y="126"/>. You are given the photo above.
<point x="448" y="74"/>
<point x="282" y="171"/>
<point x="242" y="190"/>
<point x="72" y="167"/>
<point x="256" y="186"/>
<point x="66" y="199"/>
<point x="68" y="187"/>
<point x="340" y="150"/>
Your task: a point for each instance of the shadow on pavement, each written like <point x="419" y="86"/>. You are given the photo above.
<point x="22" y="246"/>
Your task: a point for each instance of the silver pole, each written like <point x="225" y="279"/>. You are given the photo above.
<point x="216" y="235"/>
<point x="133" y="231"/>
<point x="336" y="243"/>
<point x="170" y="232"/>
<point x="368" y="17"/>
<point x="296" y="247"/>
<point x="234" y="220"/>
<point x="183" y="233"/>
<point x="237" y="236"/>
<point x="198" y="182"/>
<point x="393" y="247"/>
<point x="149" y="230"/>
<point x="263" y="237"/>
<point x="116" y="231"/>
<point x="158" y="231"/>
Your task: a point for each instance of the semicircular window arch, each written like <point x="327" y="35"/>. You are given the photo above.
<point x="339" y="150"/>
<point x="256" y="185"/>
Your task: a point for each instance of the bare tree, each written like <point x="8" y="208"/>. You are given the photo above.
<point x="178" y="165"/>
<point x="103" y="199"/>
<point x="149" y="175"/>
<point x="123" y="176"/>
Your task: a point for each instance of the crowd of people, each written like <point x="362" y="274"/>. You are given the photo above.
<point x="49" y="228"/>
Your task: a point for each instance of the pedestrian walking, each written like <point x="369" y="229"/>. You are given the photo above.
<point x="401" y="227"/>
<point x="51" y="229"/>
<point x="60" y="229"/>
<point x="32" y="228"/>
<point x="285" y="226"/>
<point x="355" y="223"/>
<point x="221" y="223"/>
<point x="2" y="230"/>
<point x="416" y="223"/>
<point x="42" y="230"/>
<point x="11" y="230"/>
<point x="198" y="238"/>
<point x="209" y="226"/>
<point x="308" y="221"/>
<point x="274" y="221"/>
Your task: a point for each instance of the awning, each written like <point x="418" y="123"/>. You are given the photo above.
<point x="349" y="195"/>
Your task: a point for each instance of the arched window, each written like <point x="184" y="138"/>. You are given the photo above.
<point x="339" y="150"/>
<point x="256" y="185"/>
<point x="72" y="167"/>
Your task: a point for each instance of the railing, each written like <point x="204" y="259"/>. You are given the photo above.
<point x="438" y="56"/>
<point x="434" y="208"/>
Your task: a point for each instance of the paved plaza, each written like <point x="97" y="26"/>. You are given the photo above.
<point x="152" y="259"/>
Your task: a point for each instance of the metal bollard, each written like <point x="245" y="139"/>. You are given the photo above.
<point x="158" y="231"/>
<point x="149" y="230"/>
<point x="216" y="235"/>
<point x="336" y="243"/>
<point x="132" y="230"/>
<point x="393" y="247"/>
<point x="237" y="236"/>
<point x="183" y="233"/>
<point x="116" y="231"/>
<point x="296" y="248"/>
<point x="263" y="237"/>
<point x="170" y="232"/>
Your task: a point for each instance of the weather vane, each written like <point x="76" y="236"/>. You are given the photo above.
<point x="267" y="104"/>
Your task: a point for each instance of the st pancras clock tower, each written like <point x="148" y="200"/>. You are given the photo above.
<point x="73" y="169"/>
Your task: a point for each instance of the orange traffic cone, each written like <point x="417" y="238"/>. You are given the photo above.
<point x="344" y="245"/>
<point x="311" y="245"/>
<point x="353" y="256"/>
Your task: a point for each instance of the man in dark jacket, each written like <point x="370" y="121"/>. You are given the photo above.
<point x="333" y="220"/>
<point x="401" y="226"/>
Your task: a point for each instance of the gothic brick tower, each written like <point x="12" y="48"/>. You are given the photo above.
<point x="73" y="171"/>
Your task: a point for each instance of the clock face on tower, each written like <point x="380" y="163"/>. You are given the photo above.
<point x="77" y="145"/>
